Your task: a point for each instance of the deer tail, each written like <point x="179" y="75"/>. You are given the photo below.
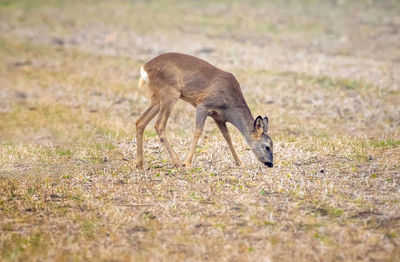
<point x="144" y="77"/>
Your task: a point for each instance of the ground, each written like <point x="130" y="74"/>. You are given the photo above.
<point x="326" y="73"/>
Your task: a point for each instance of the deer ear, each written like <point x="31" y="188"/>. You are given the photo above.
<point x="258" y="125"/>
<point x="265" y="124"/>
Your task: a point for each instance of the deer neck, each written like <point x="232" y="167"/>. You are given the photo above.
<point x="243" y="120"/>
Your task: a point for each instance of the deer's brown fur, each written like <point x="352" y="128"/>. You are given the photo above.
<point x="211" y="91"/>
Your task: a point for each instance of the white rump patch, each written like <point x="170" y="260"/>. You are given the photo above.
<point x="144" y="75"/>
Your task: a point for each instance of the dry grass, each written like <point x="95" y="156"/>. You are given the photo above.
<point x="326" y="73"/>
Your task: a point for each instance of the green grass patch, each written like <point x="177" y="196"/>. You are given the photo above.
<point x="20" y="247"/>
<point x="327" y="82"/>
<point x="150" y="133"/>
<point x="63" y="152"/>
<point x="388" y="143"/>
<point x="30" y="5"/>
<point x="89" y="227"/>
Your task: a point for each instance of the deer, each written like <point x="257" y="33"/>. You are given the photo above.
<point x="213" y="92"/>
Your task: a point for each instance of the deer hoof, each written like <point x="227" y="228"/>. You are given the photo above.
<point x="187" y="164"/>
<point x="177" y="165"/>
<point x="140" y="165"/>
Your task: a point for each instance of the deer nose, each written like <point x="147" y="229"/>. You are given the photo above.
<point x="268" y="164"/>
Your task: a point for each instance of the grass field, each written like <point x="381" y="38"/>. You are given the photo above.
<point x="327" y="74"/>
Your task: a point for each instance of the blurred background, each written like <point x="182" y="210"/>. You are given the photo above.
<point x="60" y="50"/>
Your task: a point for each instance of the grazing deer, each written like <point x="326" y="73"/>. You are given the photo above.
<point x="211" y="91"/>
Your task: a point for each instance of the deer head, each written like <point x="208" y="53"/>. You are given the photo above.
<point x="260" y="142"/>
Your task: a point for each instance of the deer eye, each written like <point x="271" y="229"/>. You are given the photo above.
<point x="267" y="148"/>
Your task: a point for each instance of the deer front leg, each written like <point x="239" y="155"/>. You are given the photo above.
<point x="201" y="115"/>
<point x="225" y="132"/>
<point x="165" y="111"/>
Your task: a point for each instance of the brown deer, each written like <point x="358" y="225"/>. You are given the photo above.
<point x="211" y="91"/>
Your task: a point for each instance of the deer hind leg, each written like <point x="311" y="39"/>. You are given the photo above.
<point x="201" y="115"/>
<point x="225" y="132"/>
<point x="141" y="124"/>
<point x="163" y="115"/>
